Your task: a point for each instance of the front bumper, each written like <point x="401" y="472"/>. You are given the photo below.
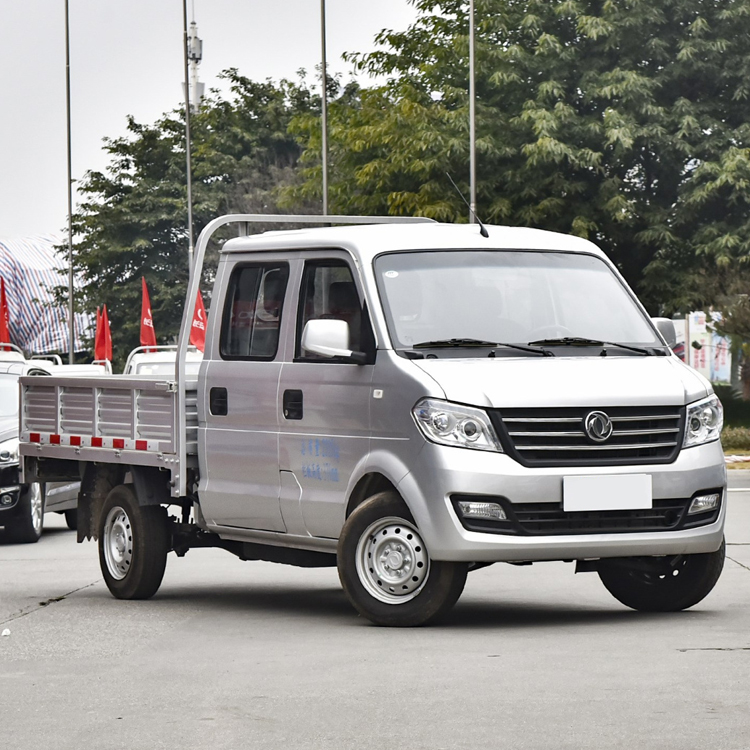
<point x="9" y="497"/>
<point x="442" y="472"/>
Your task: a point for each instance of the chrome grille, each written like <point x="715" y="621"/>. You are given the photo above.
<point x="556" y="437"/>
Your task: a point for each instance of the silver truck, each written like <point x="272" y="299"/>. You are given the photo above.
<point x="408" y="401"/>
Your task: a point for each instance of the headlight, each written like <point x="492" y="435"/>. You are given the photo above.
<point x="704" y="422"/>
<point x="453" y="424"/>
<point x="9" y="451"/>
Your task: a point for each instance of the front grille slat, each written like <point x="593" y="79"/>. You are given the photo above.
<point x="556" y="436"/>
<point x="534" y="447"/>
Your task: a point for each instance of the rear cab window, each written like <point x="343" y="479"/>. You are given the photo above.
<point x="251" y="320"/>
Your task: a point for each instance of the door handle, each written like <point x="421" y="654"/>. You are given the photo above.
<point x="292" y="404"/>
<point x="218" y="402"/>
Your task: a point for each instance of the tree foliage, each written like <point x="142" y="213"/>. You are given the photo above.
<point x="623" y="121"/>
<point x="132" y="221"/>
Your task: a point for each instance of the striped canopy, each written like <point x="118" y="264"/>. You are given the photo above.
<point x="32" y="269"/>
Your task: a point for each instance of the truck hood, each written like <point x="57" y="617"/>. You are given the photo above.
<point x="567" y="381"/>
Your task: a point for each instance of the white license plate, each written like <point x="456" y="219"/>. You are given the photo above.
<point x="614" y="492"/>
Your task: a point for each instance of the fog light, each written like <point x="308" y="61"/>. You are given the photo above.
<point x="491" y="511"/>
<point x="703" y="503"/>
<point x="6" y="499"/>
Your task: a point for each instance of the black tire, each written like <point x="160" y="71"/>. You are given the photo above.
<point x="71" y="518"/>
<point x="133" y="544"/>
<point x="673" y="583"/>
<point x="402" y="569"/>
<point x="27" y="526"/>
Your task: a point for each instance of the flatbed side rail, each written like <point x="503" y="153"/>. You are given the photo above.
<point x="179" y="488"/>
<point x="127" y="420"/>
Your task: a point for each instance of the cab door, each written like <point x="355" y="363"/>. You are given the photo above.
<point x="324" y="404"/>
<point x="239" y="483"/>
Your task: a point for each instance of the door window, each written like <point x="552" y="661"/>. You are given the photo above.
<point x="328" y="291"/>
<point x="252" y="314"/>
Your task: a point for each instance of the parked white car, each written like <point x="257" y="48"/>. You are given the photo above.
<point x="22" y="506"/>
<point x="160" y="361"/>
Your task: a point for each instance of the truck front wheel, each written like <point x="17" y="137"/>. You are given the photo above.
<point x="386" y="571"/>
<point x="133" y="544"/>
<point x="666" y="584"/>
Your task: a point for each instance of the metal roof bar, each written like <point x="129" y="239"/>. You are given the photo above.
<point x="180" y="487"/>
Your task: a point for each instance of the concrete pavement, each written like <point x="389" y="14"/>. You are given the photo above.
<point x="253" y="655"/>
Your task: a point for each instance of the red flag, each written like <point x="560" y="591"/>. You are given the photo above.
<point x="198" y="328"/>
<point x="148" y="335"/>
<point x="98" y="337"/>
<point x="4" y="317"/>
<point x="106" y="336"/>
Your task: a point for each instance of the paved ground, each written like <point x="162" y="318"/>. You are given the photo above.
<point x="252" y="655"/>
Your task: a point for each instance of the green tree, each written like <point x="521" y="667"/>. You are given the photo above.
<point x="132" y="220"/>
<point x="625" y="122"/>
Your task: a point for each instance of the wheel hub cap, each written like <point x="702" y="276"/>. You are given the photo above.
<point x="392" y="562"/>
<point x="118" y="543"/>
<point x="35" y="498"/>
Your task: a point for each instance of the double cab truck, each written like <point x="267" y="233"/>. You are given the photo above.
<point x="408" y="401"/>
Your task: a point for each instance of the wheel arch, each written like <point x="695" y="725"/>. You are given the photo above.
<point x="97" y="482"/>
<point x="368" y="485"/>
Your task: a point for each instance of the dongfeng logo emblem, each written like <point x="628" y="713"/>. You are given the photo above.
<point x="598" y="426"/>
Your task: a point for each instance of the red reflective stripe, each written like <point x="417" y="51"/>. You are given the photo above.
<point x="75" y="440"/>
<point x="141" y="445"/>
<point x="118" y="443"/>
<point x="54" y="439"/>
<point x="35" y="437"/>
<point x="96" y="442"/>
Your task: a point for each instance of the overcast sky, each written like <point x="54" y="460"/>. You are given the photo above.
<point x="126" y="58"/>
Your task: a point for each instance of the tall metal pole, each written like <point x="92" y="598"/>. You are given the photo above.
<point x="187" y="142"/>
<point x="472" y="119"/>
<point x="71" y="319"/>
<point x="324" y="104"/>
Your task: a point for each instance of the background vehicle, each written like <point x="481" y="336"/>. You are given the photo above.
<point x="22" y="506"/>
<point x="160" y="360"/>
<point x="408" y="403"/>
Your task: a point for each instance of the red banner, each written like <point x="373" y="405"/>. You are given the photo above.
<point x="103" y="337"/>
<point x="198" y="328"/>
<point x="4" y="317"/>
<point x="148" y="335"/>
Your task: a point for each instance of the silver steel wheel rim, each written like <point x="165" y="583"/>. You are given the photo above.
<point x="118" y="543"/>
<point x="35" y="500"/>
<point x="392" y="562"/>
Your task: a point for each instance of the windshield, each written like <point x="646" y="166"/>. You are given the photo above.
<point x="506" y="296"/>
<point x="8" y="396"/>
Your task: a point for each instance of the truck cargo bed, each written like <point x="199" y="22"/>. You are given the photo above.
<point x="128" y="420"/>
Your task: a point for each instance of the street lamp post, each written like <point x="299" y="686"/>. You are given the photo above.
<point x="472" y="120"/>
<point x="189" y="165"/>
<point x="71" y="319"/>
<point x="324" y="106"/>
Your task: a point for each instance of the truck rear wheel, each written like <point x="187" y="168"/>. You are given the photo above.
<point x="133" y="544"/>
<point x="27" y="526"/>
<point x="665" y="585"/>
<point x="386" y="571"/>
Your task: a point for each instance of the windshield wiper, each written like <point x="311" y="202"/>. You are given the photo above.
<point x="581" y="341"/>
<point x="468" y="343"/>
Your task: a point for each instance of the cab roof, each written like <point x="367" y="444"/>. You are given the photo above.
<point x="365" y="241"/>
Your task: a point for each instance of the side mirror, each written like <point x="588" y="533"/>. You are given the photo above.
<point x="329" y="338"/>
<point x="666" y="328"/>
